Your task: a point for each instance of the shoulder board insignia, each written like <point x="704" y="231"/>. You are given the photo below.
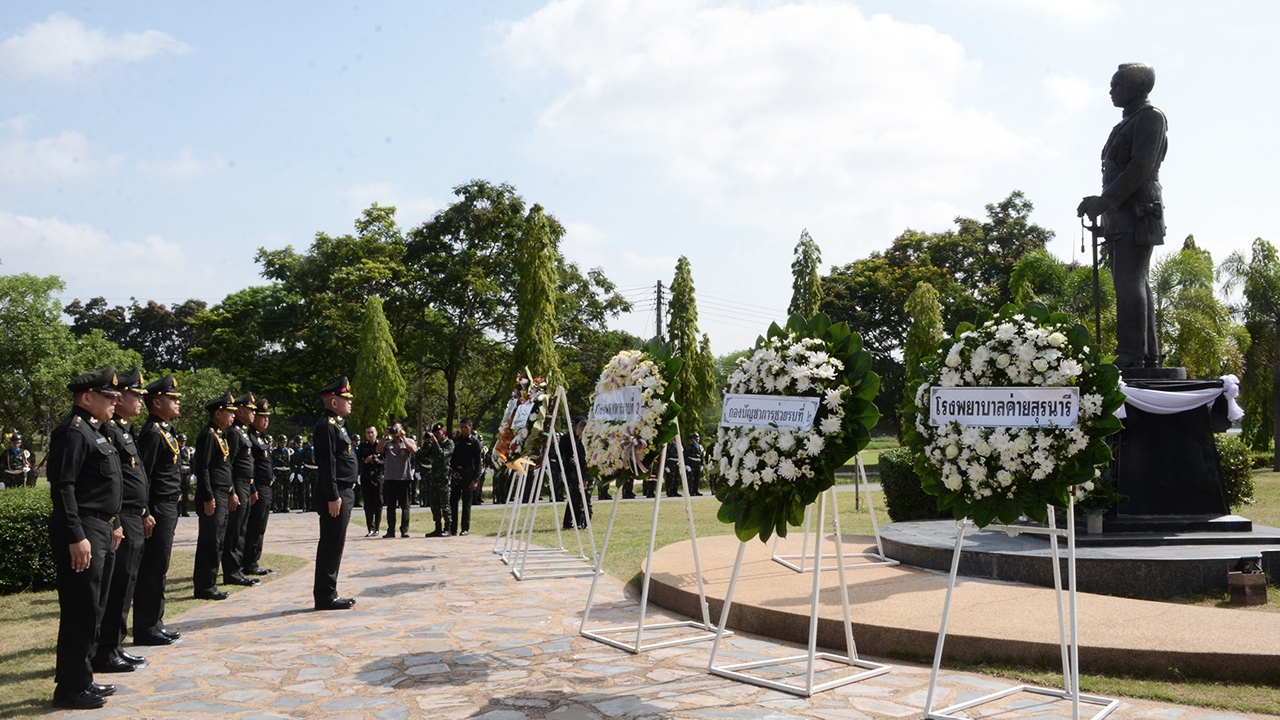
<point x="76" y="422"/>
<point x="333" y="421"/>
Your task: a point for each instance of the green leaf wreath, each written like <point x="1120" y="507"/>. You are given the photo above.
<point x="771" y="475"/>
<point x="994" y="473"/>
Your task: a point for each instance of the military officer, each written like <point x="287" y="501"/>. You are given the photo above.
<point x="464" y="477"/>
<point x="335" y="458"/>
<point x="161" y="455"/>
<point x="137" y="524"/>
<point x="308" y="471"/>
<point x="85" y="482"/>
<point x="299" y="502"/>
<point x="185" y="454"/>
<point x="212" y="466"/>
<point x="17" y="464"/>
<point x="264" y="483"/>
<point x="436" y="456"/>
<point x="693" y="463"/>
<point x="281" y="463"/>
<point x="242" y="470"/>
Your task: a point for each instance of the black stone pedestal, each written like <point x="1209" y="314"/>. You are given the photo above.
<point x="1167" y="465"/>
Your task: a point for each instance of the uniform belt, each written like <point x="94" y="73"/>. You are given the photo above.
<point x="134" y="512"/>
<point x="169" y="498"/>
<point x="345" y="485"/>
<point x="105" y="517"/>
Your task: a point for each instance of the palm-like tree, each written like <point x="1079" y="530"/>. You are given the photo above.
<point x="1259" y="278"/>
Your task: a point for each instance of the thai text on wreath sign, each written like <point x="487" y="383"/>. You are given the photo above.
<point x="783" y="411"/>
<point x="1005" y="406"/>
<point x="621" y="405"/>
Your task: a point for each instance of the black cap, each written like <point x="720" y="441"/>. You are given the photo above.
<point x="100" y="381"/>
<point x="282" y="438"/>
<point x="299" y="439"/>
<point x="222" y="401"/>
<point x="132" y="380"/>
<point x="182" y="436"/>
<point x="339" y="387"/>
<point x="15" y="438"/>
<point x="167" y="385"/>
<point x="262" y="407"/>
<point x="246" y="400"/>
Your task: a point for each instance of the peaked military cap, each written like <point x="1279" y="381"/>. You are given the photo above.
<point x="167" y="385"/>
<point x="15" y="438"/>
<point x="222" y="401"/>
<point x="100" y="381"/>
<point x="246" y="400"/>
<point x="282" y="438"/>
<point x="338" y="387"/>
<point x="299" y="439"/>
<point x="262" y="407"/>
<point x="132" y="380"/>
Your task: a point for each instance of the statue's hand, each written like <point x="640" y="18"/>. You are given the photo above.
<point x="1093" y="206"/>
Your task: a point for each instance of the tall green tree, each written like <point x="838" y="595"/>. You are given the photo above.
<point x="162" y="336"/>
<point x="1259" y="277"/>
<point x="922" y="337"/>
<point x="536" y="290"/>
<point x="968" y="266"/>
<point x="378" y="385"/>
<point x="697" y="375"/>
<point x="1193" y="325"/>
<point x="1068" y="288"/>
<point x="806" y="284"/>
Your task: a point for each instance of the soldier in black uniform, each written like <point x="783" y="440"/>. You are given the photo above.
<point x="671" y="471"/>
<point x="185" y="454"/>
<point x="281" y="463"/>
<point x="85" y="482"/>
<point x="335" y="459"/>
<point x="370" y="480"/>
<point x="693" y="463"/>
<point x="212" y="466"/>
<point x="264" y="483"/>
<point x="573" y="457"/>
<point x="17" y="464"/>
<point x="465" y="477"/>
<point x="160" y="454"/>
<point x="136" y="522"/>
<point x="242" y="470"/>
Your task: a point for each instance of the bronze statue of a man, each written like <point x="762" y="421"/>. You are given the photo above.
<point x="1132" y="211"/>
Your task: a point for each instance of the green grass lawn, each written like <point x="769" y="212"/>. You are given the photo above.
<point x="29" y="631"/>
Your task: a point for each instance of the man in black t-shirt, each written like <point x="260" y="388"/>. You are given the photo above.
<point x="465" y="477"/>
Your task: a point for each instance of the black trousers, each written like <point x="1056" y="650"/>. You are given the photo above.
<point x="81" y="597"/>
<point x="148" y="596"/>
<point x="396" y="493"/>
<point x="333" y="539"/>
<point x="213" y="528"/>
<point x="459" y="490"/>
<point x="372" y="491"/>
<point x="477" y="496"/>
<point x="233" y="541"/>
<point x="259" y="514"/>
<point x="124" y="576"/>
<point x="579" y="502"/>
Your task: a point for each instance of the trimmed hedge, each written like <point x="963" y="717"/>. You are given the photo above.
<point x="1237" y="469"/>
<point x="903" y="496"/>
<point x="26" y="559"/>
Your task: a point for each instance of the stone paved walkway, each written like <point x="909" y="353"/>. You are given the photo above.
<point x="442" y="630"/>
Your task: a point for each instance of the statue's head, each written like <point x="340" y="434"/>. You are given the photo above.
<point x="1132" y="82"/>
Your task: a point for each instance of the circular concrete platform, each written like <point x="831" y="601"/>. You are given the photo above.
<point x="897" y="611"/>
<point x="1155" y="566"/>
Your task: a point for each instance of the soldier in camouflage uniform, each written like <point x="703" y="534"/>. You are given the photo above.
<point x="434" y="456"/>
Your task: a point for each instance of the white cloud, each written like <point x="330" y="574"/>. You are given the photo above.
<point x="66" y="155"/>
<point x="1087" y="11"/>
<point x="92" y="263"/>
<point x="183" y="167"/>
<point x="62" y="45"/>
<point x="1069" y="94"/>
<point x="773" y="117"/>
<point x="410" y="211"/>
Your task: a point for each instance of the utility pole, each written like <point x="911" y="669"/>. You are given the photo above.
<point x="658" y="307"/>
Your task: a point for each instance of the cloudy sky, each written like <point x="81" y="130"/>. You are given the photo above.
<point x="148" y="149"/>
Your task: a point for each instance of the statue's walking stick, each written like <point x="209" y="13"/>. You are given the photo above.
<point x="1094" y="229"/>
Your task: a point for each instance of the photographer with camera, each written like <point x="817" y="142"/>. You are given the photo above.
<point x="397" y="451"/>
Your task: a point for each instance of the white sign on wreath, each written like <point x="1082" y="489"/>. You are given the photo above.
<point x="759" y="411"/>
<point x="620" y="405"/>
<point x="1004" y="406"/>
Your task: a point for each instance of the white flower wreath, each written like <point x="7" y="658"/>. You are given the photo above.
<point x="618" y="449"/>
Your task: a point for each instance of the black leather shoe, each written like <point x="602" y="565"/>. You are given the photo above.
<point x="404" y="534"/>
<point x="437" y="533"/>
<point x="337" y="604"/>
<point x="241" y="580"/>
<point x="112" y="664"/>
<point x="135" y="660"/>
<point x="259" y="570"/>
<point x="390" y="534"/>
<point x="464" y="532"/>
<point x="171" y="634"/>
<point x="102" y="690"/>
<point x="211" y="595"/>
<point x="83" y="700"/>
<point x="153" y="639"/>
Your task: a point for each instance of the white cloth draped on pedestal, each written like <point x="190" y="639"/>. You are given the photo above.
<point x="1162" y="402"/>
